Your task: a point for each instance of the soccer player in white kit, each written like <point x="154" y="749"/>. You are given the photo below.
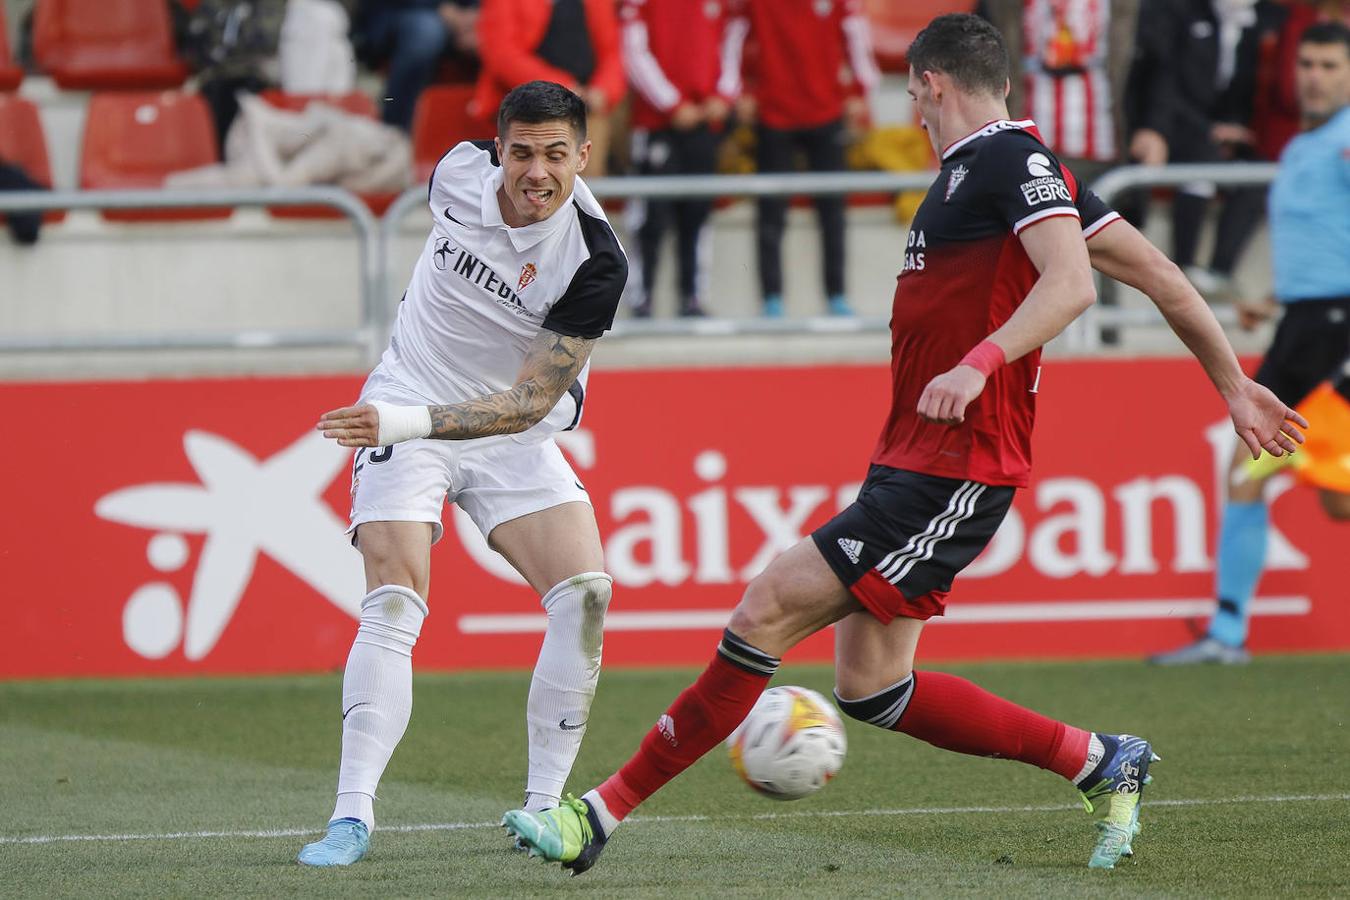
<point x="488" y="361"/>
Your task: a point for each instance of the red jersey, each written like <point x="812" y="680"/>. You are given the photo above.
<point x="964" y="274"/>
<point x="804" y="52"/>
<point x="676" y="51"/>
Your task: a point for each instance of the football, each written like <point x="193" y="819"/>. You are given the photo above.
<point x="790" y="745"/>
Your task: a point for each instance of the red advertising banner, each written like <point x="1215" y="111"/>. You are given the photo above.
<point x="175" y="527"/>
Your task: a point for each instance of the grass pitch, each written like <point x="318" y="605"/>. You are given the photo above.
<point x="208" y="787"/>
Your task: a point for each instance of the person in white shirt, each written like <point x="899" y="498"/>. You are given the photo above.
<point x="488" y="360"/>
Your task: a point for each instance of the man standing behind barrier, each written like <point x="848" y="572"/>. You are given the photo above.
<point x="804" y="105"/>
<point x="1309" y="360"/>
<point x="488" y="360"/>
<point x="684" y="84"/>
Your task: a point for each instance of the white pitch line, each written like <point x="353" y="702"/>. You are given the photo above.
<point x="959" y="614"/>
<point x="754" y="817"/>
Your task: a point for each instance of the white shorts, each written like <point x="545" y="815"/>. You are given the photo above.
<point x="493" y="480"/>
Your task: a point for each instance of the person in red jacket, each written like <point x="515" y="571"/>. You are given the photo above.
<point x="572" y="42"/>
<point x="805" y="104"/>
<point x="683" y="86"/>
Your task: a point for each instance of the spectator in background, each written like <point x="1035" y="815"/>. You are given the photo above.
<point x="1276" y="118"/>
<point x="572" y="42"/>
<point x="684" y="85"/>
<point x="1209" y="50"/>
<point x="413" y="36"/>
<point x="1071" y="62"/>
<point x="813" y="69"/>
<point x="232" y="47"/>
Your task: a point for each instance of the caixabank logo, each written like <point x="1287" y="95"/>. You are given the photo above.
<point x="210" y="536"/>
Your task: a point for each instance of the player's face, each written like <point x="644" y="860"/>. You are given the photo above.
<point x="921" y="93"/>
<point x="541" y="162"/>
<point x="1322" y="79"/>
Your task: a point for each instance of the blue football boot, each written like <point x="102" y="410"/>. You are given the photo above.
<point x="1113" y="791"/>
<point x="346" y="842"/>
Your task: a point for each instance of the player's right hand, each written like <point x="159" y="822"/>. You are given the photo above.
<point x="352" y="426"/>
<point x="946" y="397"/>
<point x="1263" y="422"/>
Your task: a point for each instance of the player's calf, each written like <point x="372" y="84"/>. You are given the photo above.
<point x="564" y="681"/>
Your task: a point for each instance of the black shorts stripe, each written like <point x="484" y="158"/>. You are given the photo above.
<point x="917" y="531"/>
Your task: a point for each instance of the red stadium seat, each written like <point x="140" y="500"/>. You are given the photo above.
<point x="106" y="44"/>
<point x="10" y="74"/>
<point x="133" y="140"/>
<point x="357" y="103"/>
<point x="22" y="143"/>
<point x="441" y="121"/>
<point x="893" y="25"/>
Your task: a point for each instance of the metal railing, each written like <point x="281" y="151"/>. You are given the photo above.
<point x="376" y="237"/>
<point x="367" y="335"/>
<point x="1102" y="319"/>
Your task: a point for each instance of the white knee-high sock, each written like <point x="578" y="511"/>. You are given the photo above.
<point x="376" y="695"/>
<point x="564" y="682"/>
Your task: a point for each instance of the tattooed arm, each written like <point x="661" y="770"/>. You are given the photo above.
<point x="551" y="366"/>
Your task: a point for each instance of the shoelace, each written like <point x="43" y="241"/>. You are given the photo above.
<point x="579" y="807"/>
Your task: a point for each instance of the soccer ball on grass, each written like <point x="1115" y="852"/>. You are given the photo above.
<point x="790" y="745"/>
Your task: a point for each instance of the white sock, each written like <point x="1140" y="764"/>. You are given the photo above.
<point x="607" y="820"/>
<point x="1096" y="750"/>
<point x="539" y="802"/>
<point x="355" y="805"/>
<point x="376" y="694"/>
<point x="564" y="679"/>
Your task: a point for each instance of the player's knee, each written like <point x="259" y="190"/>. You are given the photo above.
<point x="391" y="617"/>
<point x="387" y="561"/>
<point x="763" y="616"/>
<point x="581" y="602"/>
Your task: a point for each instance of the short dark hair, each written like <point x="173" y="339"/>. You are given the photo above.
<point x="1326" y="33"/>
<point x="965" y="47"/>
<point x="542" y="101"/>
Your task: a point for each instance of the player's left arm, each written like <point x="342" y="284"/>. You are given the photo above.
<point x="1260" y="418"/>
<point x="1063" y="290"/>
<point x="551" y="366"/>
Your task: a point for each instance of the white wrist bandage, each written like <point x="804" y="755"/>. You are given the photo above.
<point x="401" y="423"/>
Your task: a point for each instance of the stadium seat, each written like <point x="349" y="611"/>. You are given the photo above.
<point x="894" y="25"/>
<point x="10" y="74"/>
<point x="441" y="120"/>
<point x="22" y="143"/>
<point x="132" y="140"/>
<point x="106" y="44"/>
<point x="357" y="103"/>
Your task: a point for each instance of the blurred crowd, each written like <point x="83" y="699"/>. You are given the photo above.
<point x="697" y="86"/>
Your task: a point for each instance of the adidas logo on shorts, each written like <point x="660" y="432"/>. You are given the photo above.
<point x="852" y="548"/>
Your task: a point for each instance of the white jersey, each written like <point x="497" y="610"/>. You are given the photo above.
<point x="481" y="291"/>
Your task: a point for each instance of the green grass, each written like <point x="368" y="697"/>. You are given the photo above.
<point x="155" y="757"/>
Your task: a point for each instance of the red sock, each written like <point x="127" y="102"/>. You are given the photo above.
<point x="954" y="714"/>
<point x="699" y="719"/>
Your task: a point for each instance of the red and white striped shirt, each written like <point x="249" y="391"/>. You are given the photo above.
<point x="1068" y="89"/>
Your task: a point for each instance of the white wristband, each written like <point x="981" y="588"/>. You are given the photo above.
<point x="401" y="423"/>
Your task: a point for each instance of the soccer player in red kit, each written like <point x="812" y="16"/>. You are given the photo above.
<point x="997" y="263"/>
